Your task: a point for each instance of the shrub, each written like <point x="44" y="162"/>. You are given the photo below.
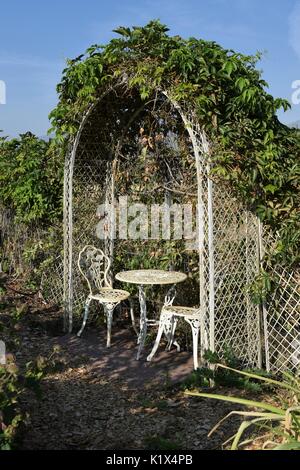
<point x="13" y="384"/>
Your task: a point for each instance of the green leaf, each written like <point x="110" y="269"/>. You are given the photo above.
<point x="241" y="83"/>
<point x="123" y="31"/>
<point x="270" y="188"/>
<point x="240" y="401"/>
<point x="288" y="446"/>
<point x="261" y="377"/>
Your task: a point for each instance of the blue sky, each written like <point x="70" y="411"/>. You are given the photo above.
<point x="37" y="36"/>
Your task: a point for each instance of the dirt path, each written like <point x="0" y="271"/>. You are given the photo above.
<point x="105" y="399"/>
<point x="105" y="402"/>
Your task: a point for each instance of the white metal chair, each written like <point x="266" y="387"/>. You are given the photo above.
<point x="167" y="323"/>
<point x="94" y="265"/>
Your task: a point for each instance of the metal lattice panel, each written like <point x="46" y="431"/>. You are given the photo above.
<point x="52" y="282"/>
<point x="282" y="319"/>
<point x="237" y="319"/>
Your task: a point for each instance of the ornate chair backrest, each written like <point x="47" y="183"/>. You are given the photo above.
<point x="94" y="265"/>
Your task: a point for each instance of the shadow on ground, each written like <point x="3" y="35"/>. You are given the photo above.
<point x="119" y="362"/>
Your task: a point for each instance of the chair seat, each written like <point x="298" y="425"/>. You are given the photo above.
<point x="107" y="295"/>
<point x="167" y="324"/>
<point x="182" y="311"/>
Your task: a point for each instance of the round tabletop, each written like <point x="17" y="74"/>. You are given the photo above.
<point x="151" y="277"/>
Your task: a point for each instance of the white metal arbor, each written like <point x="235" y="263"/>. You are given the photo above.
<point x="229" y="238"/>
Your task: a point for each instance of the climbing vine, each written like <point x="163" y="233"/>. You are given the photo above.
<point x="251" y="148"/>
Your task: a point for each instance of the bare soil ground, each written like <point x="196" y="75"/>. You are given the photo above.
<point x="103" y="398"/>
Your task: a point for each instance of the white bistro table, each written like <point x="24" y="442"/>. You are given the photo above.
<point x="146" y="277"/>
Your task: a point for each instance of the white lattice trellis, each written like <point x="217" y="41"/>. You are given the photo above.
<point x="282" y="318"/>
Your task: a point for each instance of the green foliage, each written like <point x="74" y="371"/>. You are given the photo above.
<point x="220" y="82"/>
<point x="31" y="179"/>
<point x="278" y="424"/>
<point x="19" y="313"/>
<point x="223" y="377"/>
<point x="13" y="384"/>
<point x="31" y="176"/>
<point x="250" y="147"/>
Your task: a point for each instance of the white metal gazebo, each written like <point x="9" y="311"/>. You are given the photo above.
<point x="230" y="241"/>
<point x="228" y="235"/>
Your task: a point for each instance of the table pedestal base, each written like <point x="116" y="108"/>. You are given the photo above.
<point x="143" y="321"/>
<point x="168" y="327"/>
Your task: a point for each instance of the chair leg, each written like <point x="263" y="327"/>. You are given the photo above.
<point x="109" y="310"/>
<point x="171" y="335"/>
<point x="85" y="316"/>
<point x="162" y="324"/>
<point x="195" y="325"/>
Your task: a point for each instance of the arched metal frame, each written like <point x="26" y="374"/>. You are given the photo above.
<point x="228" y="317"/>
<point x="211" y="273"/>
